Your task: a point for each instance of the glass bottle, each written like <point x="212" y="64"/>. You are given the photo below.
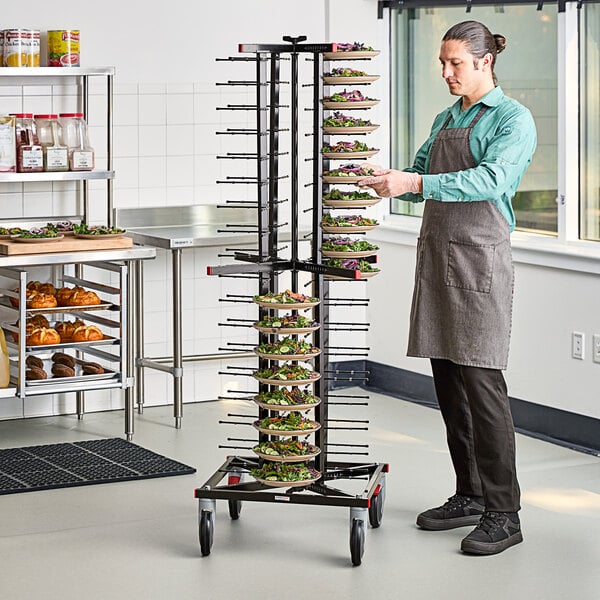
<point x="30" y="158"/>
<point x="56" y="154"/>
<point x="75" y="136"/>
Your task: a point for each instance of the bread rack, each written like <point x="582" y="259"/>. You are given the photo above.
<point x="231" y="481"/>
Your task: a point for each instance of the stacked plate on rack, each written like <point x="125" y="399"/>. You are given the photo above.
<point x="345" y="252"/>
<point x="285" y="455"/>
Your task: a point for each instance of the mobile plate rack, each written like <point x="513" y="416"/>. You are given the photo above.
<point x="239" y="478"/>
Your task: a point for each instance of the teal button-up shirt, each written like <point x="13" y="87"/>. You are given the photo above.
<point x="502" y="144"/>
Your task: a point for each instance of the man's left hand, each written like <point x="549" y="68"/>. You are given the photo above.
<point x="390" y="183"/>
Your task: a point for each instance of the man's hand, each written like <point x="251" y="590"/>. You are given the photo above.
<point x="388" y="183"/>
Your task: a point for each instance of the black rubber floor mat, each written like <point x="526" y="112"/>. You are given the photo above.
<point x="89" y="462"/>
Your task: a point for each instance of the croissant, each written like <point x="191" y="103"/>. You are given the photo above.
<point x="43" y="336"/>
<point x="87" y="333"/>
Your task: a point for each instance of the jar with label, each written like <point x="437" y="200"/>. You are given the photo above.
<point x="75" y="136"/>
<point x="56" y="153"/>
<point x="30" y="158"/>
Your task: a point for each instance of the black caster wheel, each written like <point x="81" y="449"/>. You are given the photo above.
<point x="235" y="508"/>
<point x="376" y="510"/>
<point x="205" y="532"/>
<point x="357" y="541"/>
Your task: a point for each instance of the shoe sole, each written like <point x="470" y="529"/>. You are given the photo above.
<point x="444" y="524"/>
<point x="483" y="548"/>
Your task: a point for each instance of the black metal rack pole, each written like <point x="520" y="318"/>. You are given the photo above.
<point x="320" y="286"/>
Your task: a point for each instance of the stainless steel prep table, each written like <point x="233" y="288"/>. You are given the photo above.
<point x="176" y="228"/>
<point x="131" y="256"/>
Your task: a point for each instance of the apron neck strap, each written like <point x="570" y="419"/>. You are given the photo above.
<point x="473" y="122"/>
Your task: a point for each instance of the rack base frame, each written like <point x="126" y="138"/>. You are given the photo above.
<point x="367" y="505"/>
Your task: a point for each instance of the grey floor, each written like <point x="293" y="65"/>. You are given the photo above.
<point x="138" y="540"/>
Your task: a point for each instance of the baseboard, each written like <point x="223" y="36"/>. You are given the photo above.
<point x="561" y="427"/>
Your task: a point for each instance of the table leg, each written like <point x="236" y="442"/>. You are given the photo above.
<point x="129" y="355"/>
<point x="138" y="319"/>
<point x="177" y="343"/>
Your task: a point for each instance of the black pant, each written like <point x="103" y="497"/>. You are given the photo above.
<point x="480" y="432"/>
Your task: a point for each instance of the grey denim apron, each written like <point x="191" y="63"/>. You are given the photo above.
<point x="462" y="299"/>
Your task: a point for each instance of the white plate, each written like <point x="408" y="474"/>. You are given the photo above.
<point x="287" y="459"/>
<point x="363" y="276"/>
<point x="288" y="382"/>
<point x="291" y="433"/>
<point x="349" y="130"/>
<point x="351" y="203"/>
<point x="294" y="306"/>
<point x="283" y="484"/>
<point x="349" y="230"/>
<point x="288" y="407"/>
<point x="350" y="179"/>
<point x="301" y="357"/>
<point x="350" y="104"/>
<point x="349" y="155"/>
<point x="334" y="254"/>
<point x="350" y="54"/>
<point x="98" y="236"/>
<point x="285" y="330"/>
<point x="17" y="238"/>
<point x="339" y="80"/>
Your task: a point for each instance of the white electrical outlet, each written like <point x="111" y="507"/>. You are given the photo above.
<point x="577" y="345"/>
<point x="596" y="347"/>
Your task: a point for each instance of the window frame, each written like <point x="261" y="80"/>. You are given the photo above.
<point x="569" y="205"/>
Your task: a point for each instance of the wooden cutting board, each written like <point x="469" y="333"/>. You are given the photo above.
<point x="67" y="244"/>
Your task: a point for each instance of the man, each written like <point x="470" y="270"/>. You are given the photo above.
<point x="467" y="172"/>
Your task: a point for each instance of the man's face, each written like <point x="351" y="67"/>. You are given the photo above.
<point x="464" y="75"/>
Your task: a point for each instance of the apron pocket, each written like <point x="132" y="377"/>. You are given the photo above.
<point x="470" y="266"/>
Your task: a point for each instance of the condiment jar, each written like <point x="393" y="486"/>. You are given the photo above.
<point x="30" y="158"/>
<point x="75" y="136"/>
<point x="56" y="154"/>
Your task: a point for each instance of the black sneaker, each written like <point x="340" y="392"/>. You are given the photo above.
<point x="458" y="511"/>
<point x="496" y="532"/>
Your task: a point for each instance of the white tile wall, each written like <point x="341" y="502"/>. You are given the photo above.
<point x="165" y="147"/>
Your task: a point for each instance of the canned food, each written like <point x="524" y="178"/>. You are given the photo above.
<point x="21" y="48"/>
<point x="63" y="48"/>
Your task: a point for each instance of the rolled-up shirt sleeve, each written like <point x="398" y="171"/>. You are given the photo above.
<point x="499" y="171"/>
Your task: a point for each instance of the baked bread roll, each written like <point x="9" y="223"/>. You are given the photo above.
<point x="38" y="321"/>
<point x="29" y="294"/>
<point x="35" y="373"/>
<point x="31" y="324"/>
<point x="34" y="361"/>
<point x="29" y="327"/>
<point x="92" y="368"/>
<point x="63" y="359"/>
<point x="43" y="336"/>
<point x="87" y="333"/>
<point x="62" y="295"/>
<point x="43" y="288"/>
<point x="67" y="328"/>
<point x="60" y="370"/>
<point x="41" y="300"/>
<point x="81" y="297"/>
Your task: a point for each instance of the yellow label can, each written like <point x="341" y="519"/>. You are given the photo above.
<point x="21" y="48"/>
<point x="63" y="48"/>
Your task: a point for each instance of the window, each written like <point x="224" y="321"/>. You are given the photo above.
<point x="527" y="71"/>
<point x="589" y="60"/>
